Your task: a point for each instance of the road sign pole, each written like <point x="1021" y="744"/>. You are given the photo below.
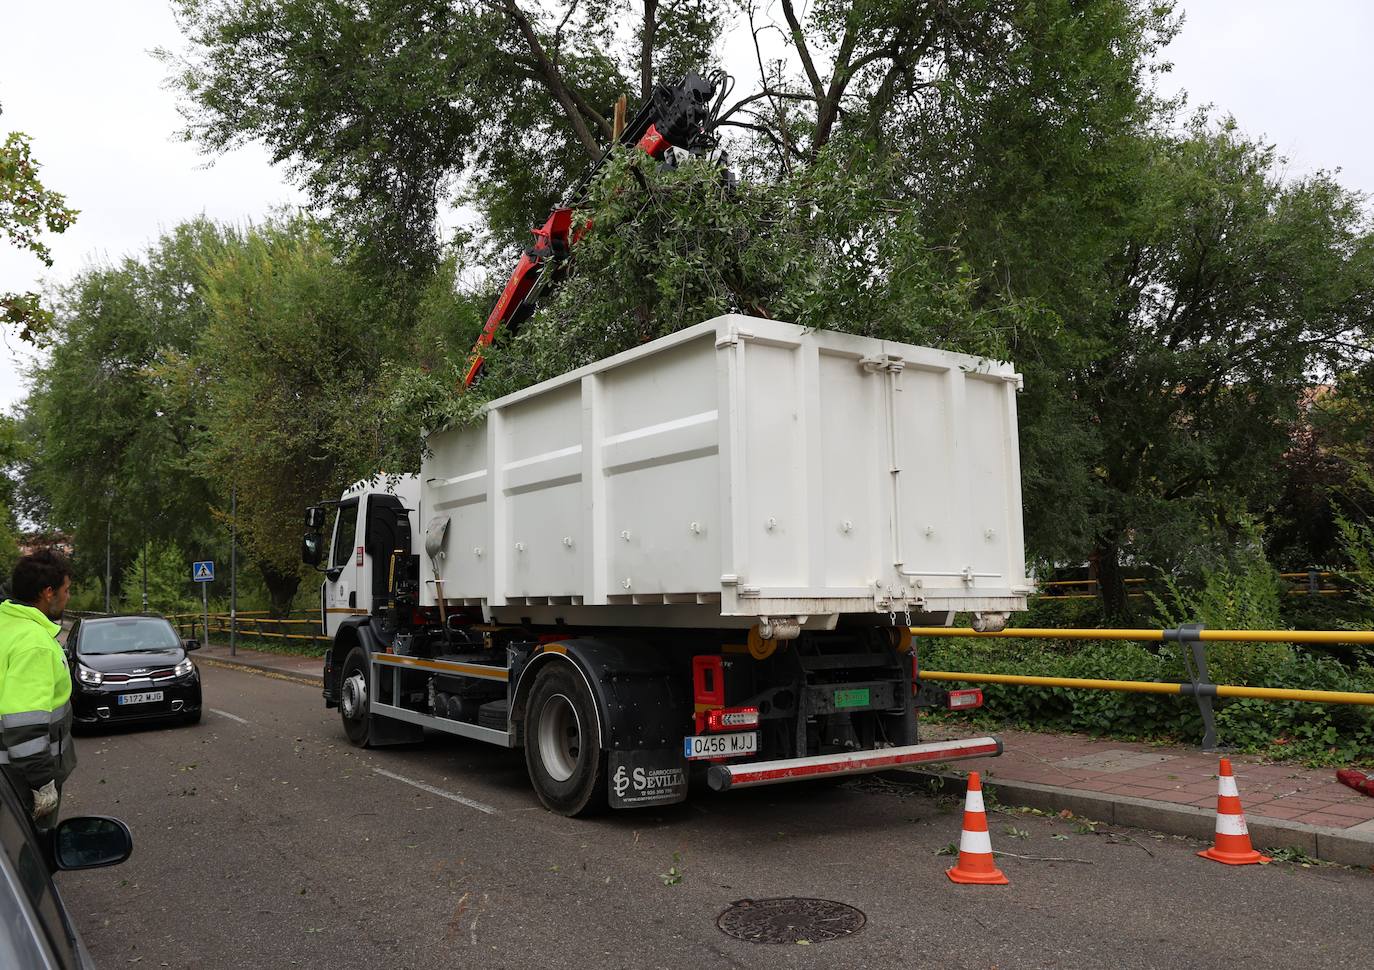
<point x="205" y="602"/>
<point x="233" y="570"/>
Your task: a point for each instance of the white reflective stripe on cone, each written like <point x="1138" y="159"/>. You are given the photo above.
<point x="1231" y="825"/>
<point x="978" y="843"/>
<point x="1226" y="785"/>
<point x="973" y="802"/>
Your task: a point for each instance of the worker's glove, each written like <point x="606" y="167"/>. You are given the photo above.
<point x="45" y="800"/>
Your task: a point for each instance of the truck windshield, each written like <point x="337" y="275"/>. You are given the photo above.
<point x="345" y="530"/>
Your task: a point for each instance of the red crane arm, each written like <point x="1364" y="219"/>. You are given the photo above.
<point x="680" y="115"/>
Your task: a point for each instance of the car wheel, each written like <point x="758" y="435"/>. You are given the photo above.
<point x="562" y="743"/>
<point x="193" y="717"/>
<point x="353" y="688"/>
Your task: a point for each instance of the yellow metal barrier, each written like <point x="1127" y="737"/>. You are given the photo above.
<point x="1154" y="687"/>
<point x="1193" y="637"/>
<point x="1148" y="636"/>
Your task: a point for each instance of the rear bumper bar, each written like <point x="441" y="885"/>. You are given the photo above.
<point x="753" y="774"/>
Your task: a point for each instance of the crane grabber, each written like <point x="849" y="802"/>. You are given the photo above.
<point x="677" y="118"/>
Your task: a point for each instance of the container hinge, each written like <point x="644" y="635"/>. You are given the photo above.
<point x="876" y="363"/>
<point x="733" y="337"/>
<point x="729" y="579"/>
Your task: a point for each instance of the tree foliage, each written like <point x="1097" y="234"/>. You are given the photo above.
<point x="109" y="452"/>
<point x="27" y="210"/>
<point x="288" y="380"/>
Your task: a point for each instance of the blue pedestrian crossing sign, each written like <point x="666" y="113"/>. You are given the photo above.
<point x="203" y="572"/>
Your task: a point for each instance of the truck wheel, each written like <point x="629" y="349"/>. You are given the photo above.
<point x="353" y="687"/>
<point x="562" y="749"/>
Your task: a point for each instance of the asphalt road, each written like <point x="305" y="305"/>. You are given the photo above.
<point x="263" y="840"/>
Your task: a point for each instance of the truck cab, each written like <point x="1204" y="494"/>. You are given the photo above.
<point x="370" y="538"/>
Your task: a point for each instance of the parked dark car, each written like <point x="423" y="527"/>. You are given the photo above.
<point x="38" y="933"/>
<point x="127" y="669"/>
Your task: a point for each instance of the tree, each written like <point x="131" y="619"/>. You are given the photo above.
<point x="27" y="209"/>
<point x="382" y="111"/>
<point x="1185" y="350"/>
<point x="107" y="450"/>
<point x="166" y="567"/>
<point x="288" y="380"/>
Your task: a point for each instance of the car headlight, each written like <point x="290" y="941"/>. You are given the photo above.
<point x="184" y="668"/>
<point x="88" y="676"/>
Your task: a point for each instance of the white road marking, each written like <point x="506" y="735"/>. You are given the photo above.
<point x="438" y="791"/>
<point x="232" y="717"/>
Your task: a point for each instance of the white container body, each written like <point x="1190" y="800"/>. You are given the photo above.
<point x="736" y="470"/>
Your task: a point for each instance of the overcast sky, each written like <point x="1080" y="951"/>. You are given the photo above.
<point x="78" y="78"/>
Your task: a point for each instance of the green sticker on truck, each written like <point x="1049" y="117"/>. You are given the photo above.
<point x="852" y="698"/>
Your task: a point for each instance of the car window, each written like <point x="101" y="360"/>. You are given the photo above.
<point x="127" y="634"/>
<point x="345" y="530"/>
<point x="21" y="943"/>
<point x="29" y="871"/>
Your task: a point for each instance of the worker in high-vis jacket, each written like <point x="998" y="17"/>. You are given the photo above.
<point x="36" y="751"/>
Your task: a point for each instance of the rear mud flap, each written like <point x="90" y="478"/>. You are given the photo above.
<point x="636" y="779"/>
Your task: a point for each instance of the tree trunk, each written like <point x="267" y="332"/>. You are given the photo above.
<point x="1111" y="584"/>
<point x="281" y="588"/>
<point x="646" y="50"/>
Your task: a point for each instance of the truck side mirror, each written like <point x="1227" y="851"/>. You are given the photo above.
<point x="314" y="518"/>
<point x="312" y="548"/>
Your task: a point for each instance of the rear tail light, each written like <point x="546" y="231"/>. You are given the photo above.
<point x="962" y="699"/>
<point x="732" y="717"/>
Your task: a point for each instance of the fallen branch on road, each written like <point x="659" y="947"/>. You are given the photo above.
<point x="1042" y="858"/>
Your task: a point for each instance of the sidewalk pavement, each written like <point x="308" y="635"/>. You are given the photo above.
<point x="307" y="669"/>
<point x="1169" y="789"/>
<point x="1166" y="789"/>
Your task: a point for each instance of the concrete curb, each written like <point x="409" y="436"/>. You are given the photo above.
<point x="257" y="667"/>
<point x="1348" y="847"/>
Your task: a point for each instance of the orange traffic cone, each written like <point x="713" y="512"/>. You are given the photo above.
<point x="975" y="863"/>
<point x="1233" y="838"/>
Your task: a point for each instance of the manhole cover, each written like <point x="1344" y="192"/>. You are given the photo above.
<point x="790" y="920"/>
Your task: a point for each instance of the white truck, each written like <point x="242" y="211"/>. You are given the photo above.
<point x="704" y="551"/>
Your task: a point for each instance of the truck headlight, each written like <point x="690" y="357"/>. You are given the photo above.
<point x="88" y="676"/>
<point x="184" y="668"/>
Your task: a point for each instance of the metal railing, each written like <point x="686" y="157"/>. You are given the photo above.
<point x="1193" y="636"/>
<point x="252" y="624"/>
<point x="1313" y="582"/>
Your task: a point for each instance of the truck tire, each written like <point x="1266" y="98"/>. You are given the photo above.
<point x="562" y="749"/>
<point x="353" y="693"/>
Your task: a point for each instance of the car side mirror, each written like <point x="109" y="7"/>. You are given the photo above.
<point x="190" y="643"/>
<point x="312" y="548"/>
<point x="314" y="518"/>
<point x="90" y="841"/>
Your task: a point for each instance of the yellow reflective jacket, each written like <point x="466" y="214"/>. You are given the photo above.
<point x="35" y="697"/>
